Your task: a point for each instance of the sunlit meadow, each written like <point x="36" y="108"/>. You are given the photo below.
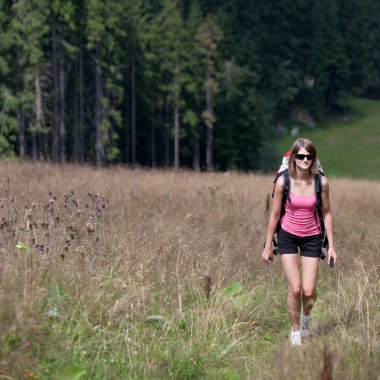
<point x="150" y="274"/>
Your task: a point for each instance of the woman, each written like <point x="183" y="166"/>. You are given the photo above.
<point x="300" y="228"/>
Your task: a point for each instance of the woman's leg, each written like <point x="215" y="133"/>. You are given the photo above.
<point x="290" y="263"/>
<point x="310" y="266"/>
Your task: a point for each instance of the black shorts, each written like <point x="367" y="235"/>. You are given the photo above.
<point x="310" y="246"/>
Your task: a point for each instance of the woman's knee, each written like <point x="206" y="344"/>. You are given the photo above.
<point x="295" y="292"/>
<point x="309" y="293"/>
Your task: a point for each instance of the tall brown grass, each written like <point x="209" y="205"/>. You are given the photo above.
<point x="87" y="255"/>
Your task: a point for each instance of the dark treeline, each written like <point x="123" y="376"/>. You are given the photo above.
<point x="198" y="84"/>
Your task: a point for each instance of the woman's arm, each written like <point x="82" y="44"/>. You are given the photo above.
<point x="267" y="254"/>
<point x="328" y="219"/>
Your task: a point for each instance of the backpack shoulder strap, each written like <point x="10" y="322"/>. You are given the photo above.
<point x="318" y="206"/>
<point x="318" y="188"/>
<point x="318" y="210"/>
<point x="286" y="191"/>
<point x="318" y="184"/>
<point x="285" y="195"/>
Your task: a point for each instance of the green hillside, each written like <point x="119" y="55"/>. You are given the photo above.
<point x="346" y="148"/>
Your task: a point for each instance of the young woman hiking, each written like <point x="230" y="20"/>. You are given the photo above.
<point x="300" y="228"/>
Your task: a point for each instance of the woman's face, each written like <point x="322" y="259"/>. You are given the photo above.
<point x="303" y="159"/>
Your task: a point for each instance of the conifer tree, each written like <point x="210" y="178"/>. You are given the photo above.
<point x="167" y="54"/>
<point x="135" y="29"/>
<point x="193" y="82"/>
<point x="28" y="31"/>
<point x="207" y="39"/>
<point x="329" y="64"/>
<point x="103" y="26"/>
<point x="9" y="103"/>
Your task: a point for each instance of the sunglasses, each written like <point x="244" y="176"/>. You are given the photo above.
<point x="302" y="156"/>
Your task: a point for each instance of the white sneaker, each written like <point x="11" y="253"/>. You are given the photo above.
<point x="305" y="322"/>
<point x="295" y="338"/>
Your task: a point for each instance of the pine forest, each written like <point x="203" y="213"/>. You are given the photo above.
<point x="176" y="83"/>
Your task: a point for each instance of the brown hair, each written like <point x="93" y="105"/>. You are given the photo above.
<point x="310" y="147"/>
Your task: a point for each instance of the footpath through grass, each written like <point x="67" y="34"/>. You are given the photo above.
<point x="346" y="148"/>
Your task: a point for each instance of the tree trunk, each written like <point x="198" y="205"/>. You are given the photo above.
<point x="34" y="146"/>
<point x="176" y="135"/>
<point x="81" y="148"/>
<point x="196" y="154"/>
<point x="99" y="151"/>
<point x="75" y="157"/>
<point x="39" y="113"/>
<point x="209" y="126"/>
<point x="21" y="136"/>
<point x="133" y="106"/>
<point x="55" y="148"/>
<point x="167" y="123"/>
<point x="127" y="78"/>
<point x="209" y="146"/>
<point x="62" y="127"/>
<point x="153" y="142"/>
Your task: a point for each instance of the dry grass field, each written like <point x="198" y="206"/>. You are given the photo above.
<point x="139" y="274"/>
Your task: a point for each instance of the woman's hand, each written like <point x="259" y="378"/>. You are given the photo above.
<point x="267" y="256"/>
<point x="331" y="254"/>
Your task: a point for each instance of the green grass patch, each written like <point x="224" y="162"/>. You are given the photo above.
<point x="346" y="148"/>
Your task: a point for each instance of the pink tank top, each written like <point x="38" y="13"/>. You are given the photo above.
<point x="299" y="218"/>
